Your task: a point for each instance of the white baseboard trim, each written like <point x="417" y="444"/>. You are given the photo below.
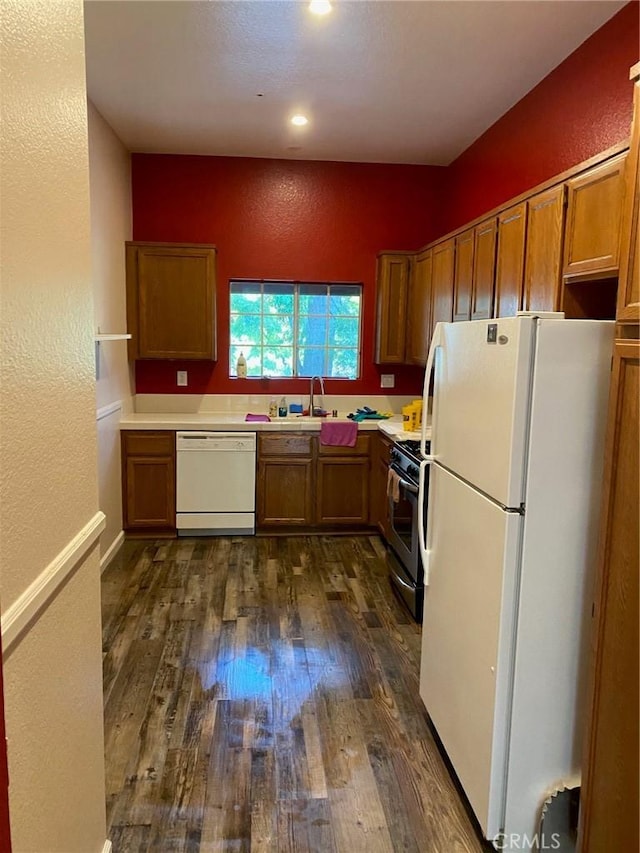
<point x="107" y="848"/>
<point x="111" y="551"/>
<point x="105" y="411"/>
<point x="44" y="587"/>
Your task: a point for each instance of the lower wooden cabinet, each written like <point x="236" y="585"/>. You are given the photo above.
<point x="148" y="482"/>
<point x="302" y="483"/>
<point x="285" y="492"/>
<point x="342" y="491"/>
<point x="379" y="516"/>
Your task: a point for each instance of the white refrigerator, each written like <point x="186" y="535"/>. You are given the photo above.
<point x="511" y="518"/>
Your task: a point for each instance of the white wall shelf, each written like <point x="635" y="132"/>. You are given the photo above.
<point x="100" y="336"/>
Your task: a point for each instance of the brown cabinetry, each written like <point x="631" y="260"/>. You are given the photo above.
<point x="379" y="474"/>
<point x="442" y="283"/>
<point x="512" y="231"/>
<point x="592" y="234"/>
<point x="463" y="278"/>
<point x="285" y="480"/>
<point x="484" y="265"/>
<point x="418" y="337"/>
<point x="391" y="307"/>
<point x="628" y="308"/>
<point x="543" y="253"/>
<point x="148" y="482"/>
<point x="609" y="803"/>
<point x="171" y="301"/>
<point x="302" y="483"/>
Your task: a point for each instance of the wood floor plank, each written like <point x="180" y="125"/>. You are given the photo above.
<point x="261" y="694"/>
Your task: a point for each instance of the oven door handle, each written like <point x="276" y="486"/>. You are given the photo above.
<point x="410" y="487"/>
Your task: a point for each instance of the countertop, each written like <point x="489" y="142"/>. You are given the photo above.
<point x="225" y="422"/>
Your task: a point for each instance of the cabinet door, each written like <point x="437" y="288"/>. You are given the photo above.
<point x="484" y="265"/>
<point x="342" y="491"/>
<point x="463" y="281"/>
<point x="609" y="801"/>
<point x="284" y="492"/>
<point x="148" y="481"/>
<point x="442" y="284"/>
<point x="628" y="309"/>
<point x="543" y="254"/>
<point x="391" y="320"/>
<point x="419" y="309"/>
<point x="149" y="493"/>
<point x="592" y="233"/>
<point x="171" y="301"/>
<point x="512" y="229"/>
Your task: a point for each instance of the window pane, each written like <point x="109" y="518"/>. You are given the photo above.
<point x="242" y="303"/>
<point x="344" y="304"/>
<point x="253" y="356"/>
<point x="278" y="331"/>
<point x="278" y="298"/>
<point x="245" y="329"/>
<point x="343" y="363"/>
<point x="312" y="331"/>
<point x="311" y="362"/>
<point x="278" y="361"/>
<point x="313" y="298"/>
<point x="343" y="331"/>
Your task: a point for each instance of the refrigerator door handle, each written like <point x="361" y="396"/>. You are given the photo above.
<point x="425" y="552"/>
<point x="431" y="358"/>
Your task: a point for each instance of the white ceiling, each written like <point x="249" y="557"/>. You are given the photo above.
<point x="391" y="81"/>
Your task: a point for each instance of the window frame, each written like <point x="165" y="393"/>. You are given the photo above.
<point x="297" y="285"/>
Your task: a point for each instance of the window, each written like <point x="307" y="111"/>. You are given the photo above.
<point x="295" y="329"/>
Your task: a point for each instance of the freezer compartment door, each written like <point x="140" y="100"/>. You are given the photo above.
<point x="481" y="403"/>
<point x="468" y="637"/>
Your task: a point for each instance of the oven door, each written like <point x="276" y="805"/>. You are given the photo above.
<point x="403" y="528"/>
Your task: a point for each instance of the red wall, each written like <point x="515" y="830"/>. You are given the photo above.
<point x="283" y="219"/>
<point x="582" y="107"/>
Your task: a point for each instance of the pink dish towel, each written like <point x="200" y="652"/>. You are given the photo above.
<point x="265" y="419"/>
<point x="339" y="434"/>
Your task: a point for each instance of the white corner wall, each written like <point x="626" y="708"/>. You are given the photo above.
<point x="49" y="576"/>
<point x="110" y="187"/>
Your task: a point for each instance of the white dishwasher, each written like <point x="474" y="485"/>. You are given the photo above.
<point x="215" y="483"/>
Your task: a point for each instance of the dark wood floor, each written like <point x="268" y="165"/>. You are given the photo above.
<point x="261" y="694"/>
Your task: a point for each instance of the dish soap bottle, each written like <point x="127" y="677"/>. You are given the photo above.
<point x="282" y="408"/>
<point x="273" y="408"/>
<point x="241" y="367"/>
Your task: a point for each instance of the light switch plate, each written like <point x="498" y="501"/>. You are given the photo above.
<point x="387" y="380"/>
<point x="181" y="377"/>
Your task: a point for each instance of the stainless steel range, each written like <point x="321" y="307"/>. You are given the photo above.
<point x="405" y="566"/>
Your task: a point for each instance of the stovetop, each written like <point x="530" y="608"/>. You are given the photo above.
<point x="405" y="458"/>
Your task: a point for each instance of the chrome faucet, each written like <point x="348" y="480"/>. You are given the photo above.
<point x="312" y="408"/>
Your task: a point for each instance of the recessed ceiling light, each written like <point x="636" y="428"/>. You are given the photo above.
<point x="299" y="120"/>
<point x="320" y="7"/>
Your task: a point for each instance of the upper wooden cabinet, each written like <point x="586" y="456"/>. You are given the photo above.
<point x="463" y="277"/>
<point x="543" y="253"/>
<point x="628" y="308"/>
<point x="419" y="308"/>
<point x="592" y="234"/>
<point x="442" y="283"/>
<point x="484" y="266"/>
<point x="512" y="231"/>
<point x="171" y="305"/>
<point x="391" y="312"/>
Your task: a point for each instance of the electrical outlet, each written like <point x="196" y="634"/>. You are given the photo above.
<point x="181" y="377"/>
<point x="387" y="380"/>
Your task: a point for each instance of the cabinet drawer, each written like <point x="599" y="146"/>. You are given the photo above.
<point x="285" y="444"/>
<point x="143" y="443"/>
<point x="361" y="448"/>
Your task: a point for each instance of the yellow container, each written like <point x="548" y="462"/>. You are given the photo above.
<point x="418" y="407"/>
<point x="408" y="417"/>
